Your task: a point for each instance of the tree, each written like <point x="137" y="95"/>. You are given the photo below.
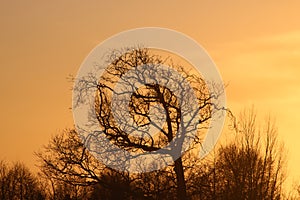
<point x="252" y="166"/>
<point x="67" y="168"/>
<point x="151" y="94"/>
<point x="72" y="172"/>
<point x="17" y="182"/>
<point x="66" y="159"/>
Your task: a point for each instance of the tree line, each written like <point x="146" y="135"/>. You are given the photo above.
<point x="250" y="165"/>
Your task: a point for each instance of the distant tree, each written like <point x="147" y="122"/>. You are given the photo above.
<point x="17" y="182"/>
<point x="67" y="168"/>
<point x="71" y="171"/>
<point x="252" y="166"/>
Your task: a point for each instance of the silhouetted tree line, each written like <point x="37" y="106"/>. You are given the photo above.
<point x="17" y="182"/>
<point x="250" y="165"/>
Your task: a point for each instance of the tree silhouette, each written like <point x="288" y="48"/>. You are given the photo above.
<point x="71" y="171"/>
<point x="252" y="166"/>
<point x="17" y="182"/>
<point x="176" y="108"/>
<point x="255" y="168"/>
<point x="66" y="159"/>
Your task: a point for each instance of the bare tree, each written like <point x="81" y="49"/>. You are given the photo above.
<point x="147" y="95"/>
<point x="66" y="159"/>
<point x="17" y="182"/>
<point x="67" y="167"/>
<point x="70" y="171"/>
<point x="252" y="166"/>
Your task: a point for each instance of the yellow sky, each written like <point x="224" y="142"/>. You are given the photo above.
<point x="256" y="46"/>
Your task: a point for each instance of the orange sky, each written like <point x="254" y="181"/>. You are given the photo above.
<point x="256" y="46"/>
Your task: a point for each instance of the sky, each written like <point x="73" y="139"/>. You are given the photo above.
<point x="255" y="45"/>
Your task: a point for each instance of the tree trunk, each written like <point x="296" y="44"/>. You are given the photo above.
<point x="181" y="187"/>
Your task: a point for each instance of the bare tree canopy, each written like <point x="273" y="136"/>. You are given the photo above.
<point x="251" y="166"/>
<point x="17" y="182"/>
<point x="174" y="102"/>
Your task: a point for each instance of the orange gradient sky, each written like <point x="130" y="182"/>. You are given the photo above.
<point x="256" y="46"/>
